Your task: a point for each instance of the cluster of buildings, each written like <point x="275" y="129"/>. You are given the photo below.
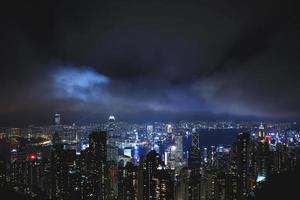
<point x="119" y="161"/>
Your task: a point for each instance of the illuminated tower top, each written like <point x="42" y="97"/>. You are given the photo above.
<point x="261" y="132"/>
<point x="195" y="138"/>
<point x="261" y="127"/>
<point x="111" y="118"/>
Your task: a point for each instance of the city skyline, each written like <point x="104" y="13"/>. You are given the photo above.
<point x="149" y="60"/>
<point x="200" y="160"/>
<point x="149" y="100"/>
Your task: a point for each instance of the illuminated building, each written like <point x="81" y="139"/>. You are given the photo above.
<point x="2" y="170"/>
<point x="97" y="164"/>
<point x="211" y="182"/>
<point x="14" y="132"/>
<point x="231" y="183"/>
<point x="179" y="147"/>
<point x="150" y="129"/>
<point x="194" y="168"/>
<point x="261" y="133"/>
<point x="112" y="149"/>
<point x="163" y="185"/>
<point x="182" y="190"/>
<point x="243" y="159"/>
<point x="149" y="166"/>
<point x="263" y="161"/>
<point x="220" y="185"/>
<point x="62" y="161"/>
<point x="169" y="128"/>
<point x="128" y="182"/>
<point x="127" y="151"/>
<point x="111" y="180"/>
<point x="57" y="119"/>
<point x="194" y="152"/>
<point x="170" y="157"/>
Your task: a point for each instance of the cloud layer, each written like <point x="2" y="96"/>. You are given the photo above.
<point x="149" y="60"/>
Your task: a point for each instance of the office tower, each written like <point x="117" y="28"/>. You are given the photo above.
<point x="220" y="185"/>
<point x="263" y="160"/>
<point x="150" y="129"/>
<point x="252" y="174"/>
<point x="111" y="180"/>
<point x="261" y="132"/>
<point x="14" y="132"/>
<point x="194" y="152"/>
<point x="30" y="171"/>
<point x="97" y="164"/>
<point x="194" y="168"/>
<point x="179" y="148"/>
<point x="62" y="161"/>
<point x="194" y="183"/>
<point x="56" y="172"/>
<point x="57" y="119"/>
<point x="149" y="165"/>
<point x="112" y="149"/>
<point x="210" y="178"/>
<point x="169" y="128"/>
<point x="182" y="186"/>
<point x="128" y="182"/>
<point x="156" y="180"/>
<point x="163" y="184"/>
<point x="243" y="159"/>
<point x="2" y="170"/>
<point x="231" y="182"/>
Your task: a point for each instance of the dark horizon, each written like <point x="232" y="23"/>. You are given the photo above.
<point x="86" y="118"/>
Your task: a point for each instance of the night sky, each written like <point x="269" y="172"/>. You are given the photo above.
<point x="148" y="60"/>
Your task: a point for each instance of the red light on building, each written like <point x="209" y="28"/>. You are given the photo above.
<point x="173" y="137"/>
<point x="268" y="138"/>
<point x="31" y="156"/>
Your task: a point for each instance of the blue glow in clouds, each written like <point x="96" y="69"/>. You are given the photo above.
<point x="78" y="83"/>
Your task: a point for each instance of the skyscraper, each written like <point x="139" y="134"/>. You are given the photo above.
<point x="112" y="149"/>
<point x="243" y="159"/>
<point x="149" y="166"/>
<point x="261" y="132"/>
<point x="194" y="164"/>
<point x="2" y="170"/>
<point x="97" y="164"/>
<point x="128" y="182"/>
<point x="163" y="184"/>
<point x="194" y="152"/>
<point x="57" y="119"/>
<point x="62" y="161"/>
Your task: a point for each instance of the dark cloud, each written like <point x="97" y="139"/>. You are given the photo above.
<point x="149" y="59"/>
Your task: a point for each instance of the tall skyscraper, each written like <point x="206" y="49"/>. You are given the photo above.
<point x="243" y="161"/>
<point x="263" y="162"/>
<point x="149" y="165"/>
<point x="128" y="182"/>
<point x="57" y="119"/>
<point x="62" y="161"/>
<point x="194" y="170"/>
<point x="163" y="184"/>
<point x="157" y="182"/>
<point x="112" y="149"/>
<point x="261" y="133"/>
<point x="2" y="170"/>
<point x="231" y="184"/>
<point x="194" y="152"/>
<point x="97" y="164"/>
